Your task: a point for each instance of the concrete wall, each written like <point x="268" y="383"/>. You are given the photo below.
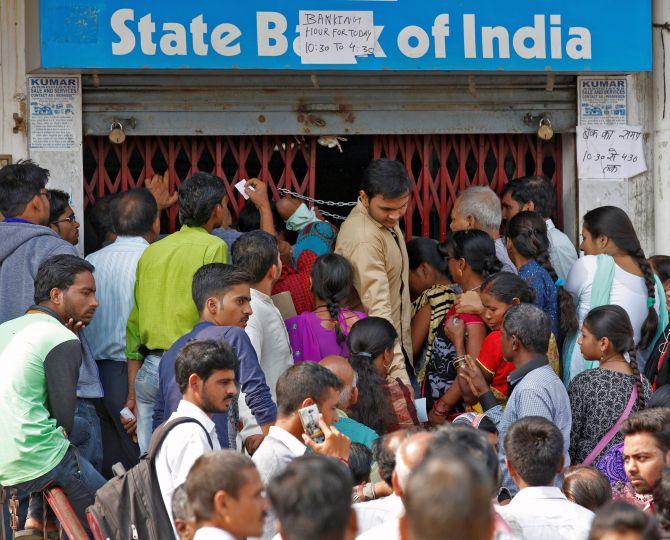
<point x="65" y="166"/>
<point x="12" y="78"/>
<point x="634" y="195"/>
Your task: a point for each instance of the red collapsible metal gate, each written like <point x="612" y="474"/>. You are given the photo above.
<point x="439" y="166"/>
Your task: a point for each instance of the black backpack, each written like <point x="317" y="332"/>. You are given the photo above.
<point x="130" y="506"/>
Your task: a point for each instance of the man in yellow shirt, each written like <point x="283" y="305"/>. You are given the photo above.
<point x="164" y="308"/>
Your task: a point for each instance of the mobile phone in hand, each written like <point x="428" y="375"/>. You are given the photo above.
<point x="309" y="416"/>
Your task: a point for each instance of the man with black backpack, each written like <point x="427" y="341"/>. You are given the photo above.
<point x="205" y="373"/>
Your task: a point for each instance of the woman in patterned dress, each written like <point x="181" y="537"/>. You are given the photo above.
<point x="599" y="397"/>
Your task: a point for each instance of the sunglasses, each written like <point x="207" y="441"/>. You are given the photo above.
<point x="71" y="218"/>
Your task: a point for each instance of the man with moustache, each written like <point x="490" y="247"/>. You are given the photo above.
<point x="41" y="354"/>
<point x="646" y="449"/>
<point x="205" y="372"/>
<point x="221" y="294"/>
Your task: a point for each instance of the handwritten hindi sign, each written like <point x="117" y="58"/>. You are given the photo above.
<point x="610" y="152"/>
<point x="335" y="37"/>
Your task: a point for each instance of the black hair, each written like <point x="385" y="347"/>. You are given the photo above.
<point x="426" y="250"/>
<point x="302" y="381"/>
<point x="534" y="447"/>
<point x="133" y="212"/>
<point x="19" y="183"/>
<point x="58" y="203"/>
<point x="58" y="272"/>
<point x="466" y="440"/>
<point x="312" y="498"/>
<point x="506" y="286"/>
<point x="623" y="519"/>
<point x="655" y="422"/>
<point x="387" y="178"/>
<point x="457" y="478"/>
<point x="528" y="233"/>
<point x="360" y="462"/>
<point x="198" y="195"/>
<point x="662" y="500"/>
<point x="249" y="218"/>
<point x="615" y="224"/>
<point x="383" y="453"/>
<point x="530" y="325"/>
<point x="332" y="276"/>
<point x="661" y="266"/>
<point x="586" y="486"/>
<point x="256" y="252"/>
<point x="478" y="250"/>
<point x="214" y="279"/>
<point x="612" y="322"/>
<point x="368" y="338"/>
<point x="212" y="472"/>
<point x="203" y="358"/>
<point x="99" y="222"/>
<point x="537" y="189"/>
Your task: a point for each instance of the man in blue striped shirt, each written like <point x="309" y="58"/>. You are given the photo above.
<point x="135" y="219"/>
<point x="534" y="389"/>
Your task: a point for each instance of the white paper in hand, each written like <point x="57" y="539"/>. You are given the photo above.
<point x="240" y="187"/>
<point x="421" y="409"/>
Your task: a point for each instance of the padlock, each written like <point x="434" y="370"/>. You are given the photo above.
<point x="545" y="131"/>
<point x="116" y="133"/>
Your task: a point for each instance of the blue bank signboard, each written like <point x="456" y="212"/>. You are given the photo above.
<point x="469" y="35"/>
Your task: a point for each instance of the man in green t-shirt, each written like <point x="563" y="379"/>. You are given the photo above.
<point x="40" y="355"/>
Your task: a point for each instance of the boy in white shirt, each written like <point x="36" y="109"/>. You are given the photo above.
<point x="205" y="373"/>
<point x="540" y="511"/>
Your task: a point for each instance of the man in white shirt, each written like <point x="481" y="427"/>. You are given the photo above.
<point x="205" y="373"/>
<point x="300" y="386"/>
<point x="408" y="456"/>
<point x="312" y="499"/>
<point x="478" y="207"/>
<point x="256" y="252"/>
<point x="540" y="511"/>
<point x="536" y="194"/>
<point x="226" y="494"/>
<point x="135" y="219"/>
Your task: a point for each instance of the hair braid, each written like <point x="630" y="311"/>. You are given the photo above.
<point x="567" y="316"/>
<point x="641" y="401"/>
<point x="334" y="311"/>
<point x="651" y="322"/>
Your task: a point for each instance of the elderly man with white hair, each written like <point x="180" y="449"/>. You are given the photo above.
<point x="479" y="207"/>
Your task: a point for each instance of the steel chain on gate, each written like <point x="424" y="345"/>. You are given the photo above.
<point x="318" y="202"/>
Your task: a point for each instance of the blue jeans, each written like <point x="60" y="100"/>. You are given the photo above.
<point x="75" y="476"/>
<point x="146" y="388"/>
<point x="86" y="435"/>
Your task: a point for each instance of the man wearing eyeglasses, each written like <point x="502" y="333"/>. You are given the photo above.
<point x="27" y="239"/>
<point x="62" y="220"/>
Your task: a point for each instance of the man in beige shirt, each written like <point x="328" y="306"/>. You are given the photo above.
<point x="372" y="241"/>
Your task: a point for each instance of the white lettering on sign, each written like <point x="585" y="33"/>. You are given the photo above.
<point x="335" y="37"/>
<point x="610" y="152"/>
<point x="339" y="37"/>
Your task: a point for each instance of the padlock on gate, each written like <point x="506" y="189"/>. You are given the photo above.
<point x="545" y="131"/>
<point x="116" y="133"/>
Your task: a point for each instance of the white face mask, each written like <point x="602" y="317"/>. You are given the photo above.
<point x="300" y="218"/>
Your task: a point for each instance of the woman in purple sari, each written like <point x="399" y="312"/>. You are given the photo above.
<point x="323" y="332"/>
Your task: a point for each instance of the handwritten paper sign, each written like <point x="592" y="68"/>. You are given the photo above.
<point x="335" y="37"/>
<point x="610" y="152"/>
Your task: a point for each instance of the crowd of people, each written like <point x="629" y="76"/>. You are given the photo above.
<point x="287" y="378"/>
